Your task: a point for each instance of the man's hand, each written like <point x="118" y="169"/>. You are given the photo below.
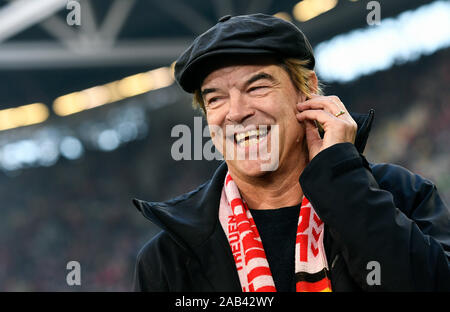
<point x="327" y="110"/>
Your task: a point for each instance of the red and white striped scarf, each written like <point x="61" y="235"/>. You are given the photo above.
<point x="311" y="266"/>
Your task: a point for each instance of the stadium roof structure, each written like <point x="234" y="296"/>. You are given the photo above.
<point x="42" y="57"/>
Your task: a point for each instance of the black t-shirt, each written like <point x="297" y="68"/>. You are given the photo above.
<point x="278" y="230"/>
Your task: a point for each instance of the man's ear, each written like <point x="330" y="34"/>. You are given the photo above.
<point x="313" y="82"/>
<point x="301" y="97"/>
<point x="313" y="86"/>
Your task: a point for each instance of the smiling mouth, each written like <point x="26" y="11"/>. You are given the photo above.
<point x="252" y="136"/>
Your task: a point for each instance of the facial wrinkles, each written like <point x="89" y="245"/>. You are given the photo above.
<point x="230" y="82"/>
<point x="268" y="110"/>
<point x="222" y="79"/>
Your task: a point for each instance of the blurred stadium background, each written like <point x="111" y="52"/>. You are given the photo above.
<point x="86" y="113"/>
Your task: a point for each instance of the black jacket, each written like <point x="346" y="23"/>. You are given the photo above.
<point x="372" y="212"/>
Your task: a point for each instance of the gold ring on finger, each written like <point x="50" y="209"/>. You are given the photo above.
<point x="340" y="113"/>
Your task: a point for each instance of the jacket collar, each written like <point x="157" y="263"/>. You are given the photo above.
<point x="192" y="218"/>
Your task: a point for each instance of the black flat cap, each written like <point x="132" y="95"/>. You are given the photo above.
<point x="255" y="34"/>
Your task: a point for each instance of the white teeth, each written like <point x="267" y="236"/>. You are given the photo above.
<point x="253" y="135"/>
<point x="240" y="136"/>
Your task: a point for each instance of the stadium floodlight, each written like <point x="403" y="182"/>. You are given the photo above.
<point x="397" y="40"/>
<point x="23" y="116"/>
<point x="309" y="9"/>
<point x="127" y="87"/>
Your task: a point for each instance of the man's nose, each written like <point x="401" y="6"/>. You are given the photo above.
<point x="239" y="108"/>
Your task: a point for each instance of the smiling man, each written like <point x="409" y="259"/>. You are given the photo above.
<point x="319" y="217"/>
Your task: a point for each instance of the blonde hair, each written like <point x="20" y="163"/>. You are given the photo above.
<point x="298" y="72"/>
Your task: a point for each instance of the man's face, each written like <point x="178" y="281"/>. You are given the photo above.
<point x="245" y="97"/>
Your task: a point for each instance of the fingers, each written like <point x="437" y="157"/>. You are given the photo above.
<point x="326" y="119"/>
<point x="311" y="130"/>
<point x="331" y="104"/>
<point x="332" y="116"/>
<point x="321" y="116"/>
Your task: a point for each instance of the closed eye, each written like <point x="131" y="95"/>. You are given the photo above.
<point x="257" y="89"/>
<point x="213" y="100"/>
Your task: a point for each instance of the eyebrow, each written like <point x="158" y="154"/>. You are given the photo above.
<point x="259" y="76"/>
<point x="256" y="77"/>
<point x="206" y="91"/>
